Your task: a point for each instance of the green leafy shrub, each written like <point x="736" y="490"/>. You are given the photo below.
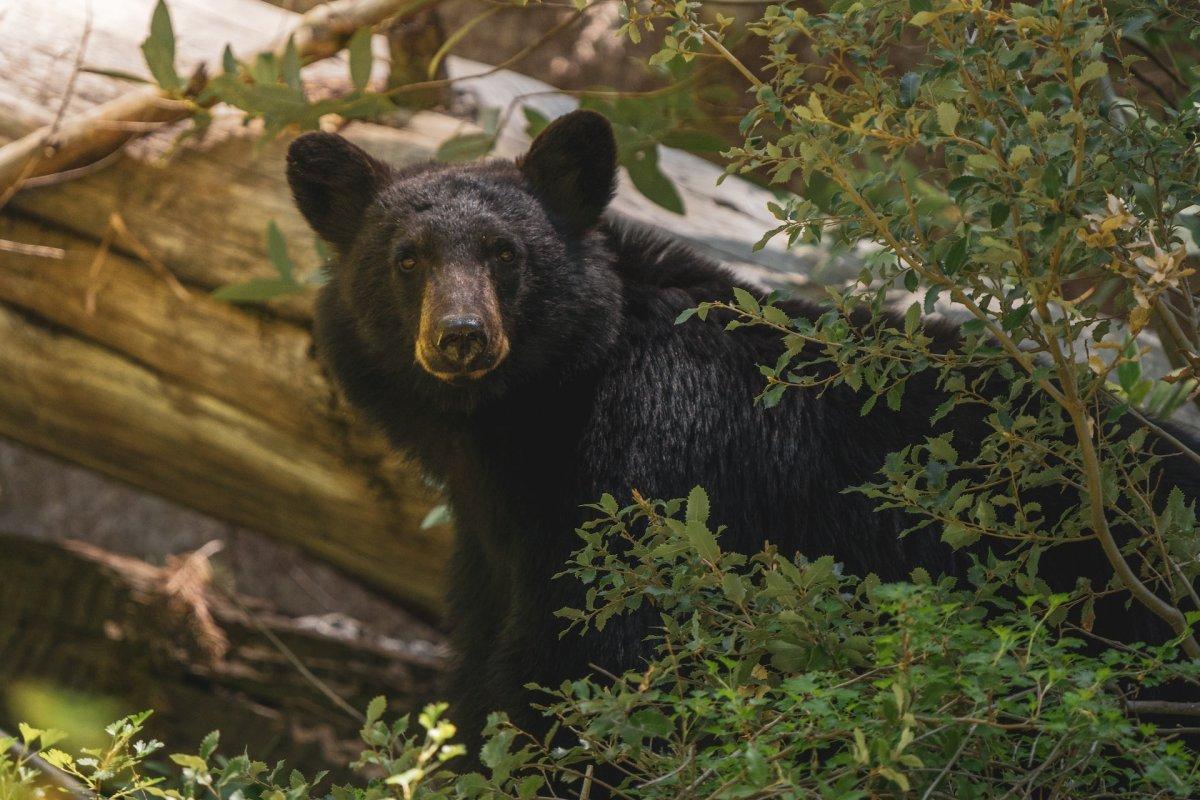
<point x="774" y="677"/>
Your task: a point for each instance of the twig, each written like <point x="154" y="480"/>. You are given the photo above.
<point x="1167" y="707"/>
<point x="69" y="92"/>
<point x="98" y="262"/>
<point x="122" y="231"/>
<point x="1164" y="434"/>
<point x="295" y="661"/>
<point x="953" y="759"/>
<point x="36" y="250"/>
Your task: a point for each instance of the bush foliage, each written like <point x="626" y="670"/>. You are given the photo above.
<point x="774" y="677"/>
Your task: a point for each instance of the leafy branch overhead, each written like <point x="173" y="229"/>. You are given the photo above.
<point x="1016" y="171"/>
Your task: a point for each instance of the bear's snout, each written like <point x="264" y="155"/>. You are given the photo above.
<point x="461" y="333"/>
<point x="461" y="339"/>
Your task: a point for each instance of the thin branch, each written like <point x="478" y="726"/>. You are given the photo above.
<point x="1165" y="707"/>
<point x="35" y="250"/>
<point x="57" y="148"/>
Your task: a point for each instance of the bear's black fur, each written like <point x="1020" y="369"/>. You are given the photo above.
<point x="597" y="390"/>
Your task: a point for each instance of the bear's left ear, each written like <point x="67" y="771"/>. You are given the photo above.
<point x="333" y="182"/>
<point x="572" y="168"/>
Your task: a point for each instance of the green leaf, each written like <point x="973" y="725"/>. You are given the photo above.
<point x="159" y="49"/>
<point x="361" y="58"/>
<point x="923" y="18"/>
<point x="277" y="251"/>
<point x="697" y="506"/>
<point x="956" y="256"/>
<point x="467" y="147"/>
<point x="947" y="117"/>
<point x="733" y="587"/>
<point x="289" y="65"/>
<point x="114" y="73"/>
<point x="191" y="762"/>
<point x="653" y="722"/>
<point x="208" y="745"/>
<point x="375" y="709"/>
<point x="650" y="181"/>
<point x="1051" y="181"/>
<point x="535" y="121"/>
<point x="912" y="319"/>
<point x="257" y="290"/>
<point x="693" y="141"/>
<point x="696" y="525"/>
<point x="1094" y="70"/>
<point x="746" y="301"/>
<point x="28" y="733"/>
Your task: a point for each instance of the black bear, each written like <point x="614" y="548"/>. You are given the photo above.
<point x="522" y="346"/>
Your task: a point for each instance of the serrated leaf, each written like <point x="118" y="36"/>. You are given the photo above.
<point x="208" y="745"/>
<point x="375" y="709"/>
<point x="1094" y="70"/>
<point x="361" y="58"/>
<point x="745" y="300"/>
<point x="733" y="587"/>
<point x="912" y="319"/>
<point x="697" y="506"/>
<point x="159" y="49"/>
<point x="947" y="117"/>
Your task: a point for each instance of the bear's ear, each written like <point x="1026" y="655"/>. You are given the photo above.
<point x="333" y="182"/>
<point x="572" y="168"/>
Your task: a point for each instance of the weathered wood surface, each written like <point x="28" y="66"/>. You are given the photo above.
<point x="79" y="619"/>
<point x="220" y="407"/>
<point x="206" y="404"/>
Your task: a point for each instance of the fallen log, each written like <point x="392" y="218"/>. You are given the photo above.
<point x="207" y="405"/>
<point x="132" y="636"/>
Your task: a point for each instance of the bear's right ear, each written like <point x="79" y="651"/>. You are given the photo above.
<point x="572" y="168"/>
<point x="333" y="182"/>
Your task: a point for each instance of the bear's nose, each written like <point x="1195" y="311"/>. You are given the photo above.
<point x="461" y="339"/>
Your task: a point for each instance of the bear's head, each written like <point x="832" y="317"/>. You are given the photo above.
<point x="465" y="279"/>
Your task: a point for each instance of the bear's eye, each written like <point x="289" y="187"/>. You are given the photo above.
<point x="408" y="263"/>
<point x="507" y="255"/>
